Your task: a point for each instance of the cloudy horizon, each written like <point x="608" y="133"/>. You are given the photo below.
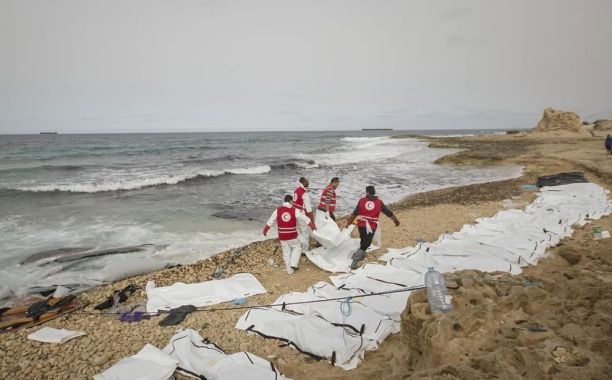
<point x="197" y="66"/>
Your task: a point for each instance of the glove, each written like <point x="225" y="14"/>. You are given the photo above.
<point x="312" y="226"/>
<point x="265" y="230"/>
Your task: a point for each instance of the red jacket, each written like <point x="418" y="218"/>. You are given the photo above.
<point x="298" y="198"/>
<point x="286" y="223"/>
<point x="369" y="210"/>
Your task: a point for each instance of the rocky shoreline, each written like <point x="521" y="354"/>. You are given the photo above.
<point x="481" y="339"/>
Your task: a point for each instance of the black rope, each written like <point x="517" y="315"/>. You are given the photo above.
<point x="407" y="289"/>
<point x="188" y="372"/>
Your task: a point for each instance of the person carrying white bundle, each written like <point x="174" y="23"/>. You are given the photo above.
<point x="366" y="213"/>
<point x="327" y="204"/>
<point x="301" y="201"/>
<point x="287" y="218"/>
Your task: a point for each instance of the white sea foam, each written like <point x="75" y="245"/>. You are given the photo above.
<point x="262" y="169"/>
<point x="364" y="139"/>
<point x="183" y="248"/>
<point x="183" y="226"/>
<point x="307" y="165"/>
<point x="369" y="149"/>
<point x="113" y="180"/>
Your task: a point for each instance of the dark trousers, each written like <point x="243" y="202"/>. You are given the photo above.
<point x="366" y="238"/>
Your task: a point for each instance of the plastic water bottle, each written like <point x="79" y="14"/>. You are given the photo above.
<point x="437" y="294"/>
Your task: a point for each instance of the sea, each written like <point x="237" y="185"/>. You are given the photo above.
<point x="189" y="195"/>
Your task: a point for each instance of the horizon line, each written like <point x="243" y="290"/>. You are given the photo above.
<point x="266" y="131"/>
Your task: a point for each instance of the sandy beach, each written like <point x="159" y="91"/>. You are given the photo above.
<point x="568" y="294"/>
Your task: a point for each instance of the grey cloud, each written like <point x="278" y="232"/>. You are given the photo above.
<point x="135" y="65"/>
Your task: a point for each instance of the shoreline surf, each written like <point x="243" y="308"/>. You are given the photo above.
<point x="172" y="255"/>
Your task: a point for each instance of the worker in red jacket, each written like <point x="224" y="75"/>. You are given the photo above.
<point x="327" y="204"/>
<point x="286" y="218"/>
<point x="301" y="201"/>
<point x="366" y="213"/>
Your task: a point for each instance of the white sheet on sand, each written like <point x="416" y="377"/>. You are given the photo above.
<point x="310" y="334"/>
<point x="390" y="304"/>
<point x="194" y="356"/>
<point x="378" y="278"/>
<point x="203" y="358"/>
<point x="207" y="293"/>
<point x="329" y="329"/>
<point x="369" y="323"/>
<point x="506" y="242"/>
<point x="337" y="246"/>
<point x="375" y="278"/>
<point x="334" y="259"/>
<point x="334" y="330"/>
<point x="511" y="239"/>
<point x="148" y="364"/>
<point x="51" y="335"/>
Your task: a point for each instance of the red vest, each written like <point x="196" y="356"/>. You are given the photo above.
<point x="298" y="198"/>
<point x="369" y="210"/>
<point x="332" y="204"/>
<point x="287" y="223"/>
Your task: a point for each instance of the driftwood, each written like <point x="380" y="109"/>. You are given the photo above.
<point x="16" y="318"/>
<point x="54" y="253"/>
<point x="64" y="255"/>
<point x="104" y="252"/>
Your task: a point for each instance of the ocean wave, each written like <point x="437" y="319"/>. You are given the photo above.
<point x="64" y="167"/>
<point x="192" y="159"/>
<point x="183" y="247"/>
<point x="296" y="165"/>
<point x="119" y="184"/>
<point x="364" y="139"/>
<point x="123" y="151"/>
<point x="61" y="168"/>
<point x="263" y="169"/>
<point x="369" y="149"/>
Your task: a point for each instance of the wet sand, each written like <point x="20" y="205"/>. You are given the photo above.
<point x="568" y="294"/>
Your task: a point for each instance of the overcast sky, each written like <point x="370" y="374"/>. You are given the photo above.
<point x="187" y="65"/>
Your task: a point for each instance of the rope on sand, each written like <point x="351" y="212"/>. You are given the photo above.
<point x="284" y="304"/>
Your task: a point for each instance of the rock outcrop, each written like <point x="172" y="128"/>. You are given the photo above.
<point x="603" y="125"/>
<point x="556" y="122"/>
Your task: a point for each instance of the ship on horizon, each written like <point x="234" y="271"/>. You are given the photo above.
<point x="48" y="133"/>
<point x="377" y="129"/>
